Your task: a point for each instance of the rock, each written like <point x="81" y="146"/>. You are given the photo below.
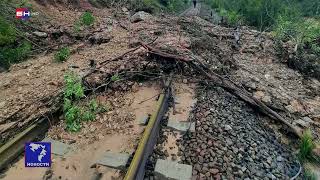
<point x="290" y="109"/>
<point x="316" y="151"/>
<point x="124" y="9"/>
<point x="307" y="119"/>
<point x="227" y="127"/>
<point x="295" y="106"/>
<point x="40" y="34"/>
<point x="271" y="176"/>
<point x="2" y="104"/>
<point x="140" y="16"/>
<point x="205" y="169"/>
<point x="54" y="83"/>
<point x="243" y="169"/>
<point x="201" y="159"/>
<point x="197" y="167"/>
<point x="214" y="171"/>
<point x="279" y="158"/>
<point x="302" y="123"/>
<point x="174" y="157"/>
<point x="266" y="99"/>
<point x="269" y="160"/>
<point x="2" y="69"/>
<point x="99" y="39"/>
<point x="258" y="94"/>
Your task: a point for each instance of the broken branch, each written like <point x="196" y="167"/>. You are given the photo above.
<point x="226" y="84"/>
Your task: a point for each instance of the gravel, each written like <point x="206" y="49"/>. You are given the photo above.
<point x="232" y="142"/>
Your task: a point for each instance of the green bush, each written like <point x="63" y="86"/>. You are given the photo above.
<point x="73" y="91"/>
<point x="72" y="118"/>
<point x="232" y="17"/>
<point x="309" y="175"/>
<point x="154" y="6"/>
<point x="62" y="55"/>
<point x="306" y="146"/>
<point x="7" y="33"/>
<point x="10" y="55"/>
<point x="115" y="77"/>
<point x="75" y="115"/>
<point x="150" y="6"/>
<point x="258" y="13"/>
<point x="87" y="19"/>
<point x="305" y="32"/>
<point x="73" y="87"/>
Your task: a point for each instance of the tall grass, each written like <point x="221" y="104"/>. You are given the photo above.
<point x="306" y="146"/>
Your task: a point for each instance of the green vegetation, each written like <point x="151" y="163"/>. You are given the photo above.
<point x="115" y="77"/>
<point x="264" y="13"/>
<point x="11" y="50"/>
<point x="62" y="55"/>
<point x="309" y="175"/>
<point x="87" y="19"/>
<point x="295" y="22"/>
<point x="7" y="33"/>
<point x="306" y="146"/>
<point x="153" y="6"/>
<point x="74" y="113"/>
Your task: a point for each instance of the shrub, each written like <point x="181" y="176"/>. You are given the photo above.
<point x="87" y="19"/>
<point x="72" y="118"/>
<point x="73" y="91"/>
<point x="309" y="175"/>
<point x="10" y="55"/>
<point x="73" y="87"/>
<point x="7" y="33"/>
<point x="115" y="77"/>
<point x="74" y="115"/>
<point x="232" y="17"/>
<point x="77" y="26"/>
<point x="62" y="55"/>
<point x="306" y="146"/>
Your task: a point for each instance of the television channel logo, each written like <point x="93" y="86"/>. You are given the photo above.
<point x="23" y="13"/>
<point x="37" y="154"/>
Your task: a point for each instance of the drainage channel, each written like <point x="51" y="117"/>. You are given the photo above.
<point x="130" y="166"/>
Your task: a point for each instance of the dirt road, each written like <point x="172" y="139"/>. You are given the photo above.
<point x="192" y="11"/>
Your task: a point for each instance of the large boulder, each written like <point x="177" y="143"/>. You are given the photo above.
<point x="140" y="16"/>
<point x="40" y="34"/>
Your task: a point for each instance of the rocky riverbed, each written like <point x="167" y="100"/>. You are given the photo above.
<point x="232" y="141"/>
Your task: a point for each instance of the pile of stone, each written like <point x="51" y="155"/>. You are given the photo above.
<point x="233" y="142"/>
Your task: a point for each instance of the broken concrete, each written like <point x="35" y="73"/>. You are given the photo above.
<point x="58" y="148"/>
<point x="181" y="126"/>
<point x="169" y="170"/>
<point x="144" y="120"/>
<point x="114" y="160"/>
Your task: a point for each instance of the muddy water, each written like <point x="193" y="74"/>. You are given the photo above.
<point x="91" y="144"/>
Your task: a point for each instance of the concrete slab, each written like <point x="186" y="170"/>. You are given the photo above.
<point x="114" y="160"/>
<point x="169" y="170"/>
<point x="144" y="120"/>
<point x="58" y="148"/>
<point x="181" y="126"/>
